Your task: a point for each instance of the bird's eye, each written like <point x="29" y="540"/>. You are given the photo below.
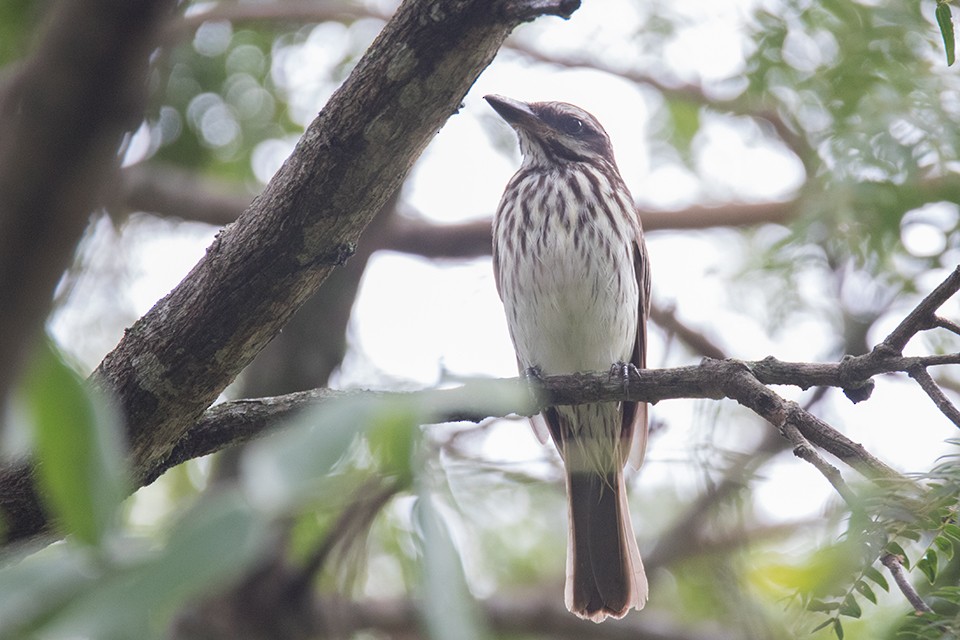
<point x="572" y="126"/>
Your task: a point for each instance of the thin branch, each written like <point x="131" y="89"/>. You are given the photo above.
<point x="895" y="565"/>
<point x="929" y="385"/>
<point x="923" y="315"/>
<point x="745" y="382"/>
<point x="947" y="324"/>
<point x="170" y="191"/>
<point x="806" y="451"/>
<point x="741" y="384"/>
<point x="239" y="421"/>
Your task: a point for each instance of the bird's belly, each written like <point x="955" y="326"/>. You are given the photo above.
<point x="573" y="308"/>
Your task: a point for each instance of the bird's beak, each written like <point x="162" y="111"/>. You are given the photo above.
<point x="516" y="113"/>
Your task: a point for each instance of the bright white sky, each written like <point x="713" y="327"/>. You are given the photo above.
<point x="420" y="323"/>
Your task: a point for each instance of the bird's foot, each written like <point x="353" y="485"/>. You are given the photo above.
<point x="623" y="371"/>
<point x="533" y="374"/>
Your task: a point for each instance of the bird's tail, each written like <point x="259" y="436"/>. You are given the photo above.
<point x="605" y="574"/>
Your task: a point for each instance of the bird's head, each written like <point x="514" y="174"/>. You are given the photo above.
<point x="554" y="133"/>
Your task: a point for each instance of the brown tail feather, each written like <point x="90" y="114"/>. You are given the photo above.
<point x="604" y="572"/>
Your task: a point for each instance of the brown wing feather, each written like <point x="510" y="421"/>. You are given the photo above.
<point x="634" y="428"/>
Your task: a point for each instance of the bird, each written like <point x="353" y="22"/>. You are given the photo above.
<point x="572" y="271"/>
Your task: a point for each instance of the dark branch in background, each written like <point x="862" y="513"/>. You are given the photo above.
<point x="698" y="342"/>
<point x="63" y="114"/>
<point x="173" y="192"/>
<point x="178" y="193"/>
<point x="172" y="364"/>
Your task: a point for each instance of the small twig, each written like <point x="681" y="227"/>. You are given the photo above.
<point x="806" y="451"/>
<point x="923" y="316"/>
<point x="949" y="325"/>
<point x="929" y="385"/>
<point x="895" y="565"/>
<point x="744" y="387"/>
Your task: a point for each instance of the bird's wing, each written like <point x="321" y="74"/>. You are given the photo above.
<point x="635" y="426"/>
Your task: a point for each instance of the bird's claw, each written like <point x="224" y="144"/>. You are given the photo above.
<point x="623" y="370"/>
<point x="533" y="374"/>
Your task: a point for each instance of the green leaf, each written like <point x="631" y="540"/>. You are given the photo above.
<point x="864" y="589"/>
<point x="928" y="565"/>
<point x="77" y="445"/>
<point x="16" y="23"/>
<point x="910" y="534"/>
<point x="838" y="628"/>
<point x="927" y="570"/>
<point x="944" y="545"/>
<point x="820" y="605"/>
<point x="945" y="23"/>
<point x="877" y="578"/>
<point x="452" y="611"/>
<point x="952" y="530"/>
<point x="850" y="607"/>
<point x="825" y="623"/>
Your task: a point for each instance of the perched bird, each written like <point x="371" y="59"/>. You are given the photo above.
<point x="571" y="268"/>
